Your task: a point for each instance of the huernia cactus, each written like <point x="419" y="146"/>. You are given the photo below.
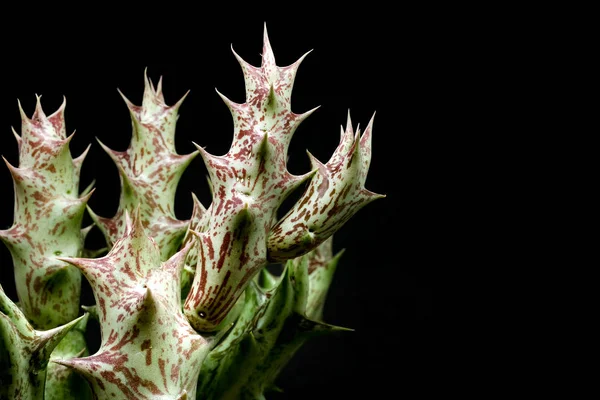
<point x="186" y="308"/>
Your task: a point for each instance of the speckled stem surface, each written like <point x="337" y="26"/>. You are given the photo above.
<point x="251" y="181"/>
<point x="25" y="352"/>
<point x="149" y="170"/>
<point x="148" y="348"/>
<point x="47" y="220"/>
<point x="279" y="315"/>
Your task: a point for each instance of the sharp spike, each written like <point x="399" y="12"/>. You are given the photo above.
<point x="132" y="107"/>
<point x="51" y="338"/>
<point x="268" y="58"/>
<point x="81" y="365"/>
<point x="38" y="114"/>
<point x="242" y="62"/>
<point x="303" y="116"/>
<point x="180" y="102"/>
<point x="64" y="143"/>
<point x="147" y="81"/>
<point x="232" y="105"/>
<point x="88" y="188"/>
<point x="95" y="217"/>
<point x="314" y="161"/>
<point x="365" y="148"/>
<point x="79" y="160"/>
<point x="159" y="86"/>
<point x="24" y="118"/>
<point x="17" y="173"/>
<point x="86" y="230"/>
<point x="85" y="197"/>
<point x="312" y="327"/>
<point x="86" y="265"/>
<point x="60" y="111"/>
<point x="372" y="196"/>
<point x="115" y="156"/>
<point x="208" y="160"/>
<point x="197" y="204"/>
<point x="299" y="61"/>
<point x="19" y="140"/>
<point x="177" y="261"/>
<point x="349" y="124"/>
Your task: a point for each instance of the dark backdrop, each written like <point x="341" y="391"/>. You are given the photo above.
<point x="384" y="284"/>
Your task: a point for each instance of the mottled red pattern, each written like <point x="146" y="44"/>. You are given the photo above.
<point x="250" y="182"/>
<point x="150" y="170"/>
<point x="47" y="220"/>
<point x="144" y="334"/>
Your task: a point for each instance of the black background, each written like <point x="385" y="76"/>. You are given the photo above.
<point x="397" y="67"/>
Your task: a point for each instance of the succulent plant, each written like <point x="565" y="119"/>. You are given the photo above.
<point x="186" y="308"/>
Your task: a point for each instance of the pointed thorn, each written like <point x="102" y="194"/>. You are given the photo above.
<point x="24" y="117"/>
<point x="366" y="137"/>
<point x="78" y="364"/>
<point x="85" y="197"/>
<point x="39" y="112"/>
<point x="114" y="155"/>
<point x="78" y="162"/>
<point x="372" y="196"/>
<point x="356" y="144"/>
<point x="132" y="107"/>
<point x="159" y="86"/>
<point x="15" y="172"/>
<point x="180" y="102"/>
<point x="19" y="140"/>
<point x="147" y="81"/>
<point x="177" y="260"/>
<point x="195" y="200"/>
<point x="81" y="263"/>
<point x="60" y="109"/>
<point x="303" y="116"/>
<point x="206" y="156"/>
<point x="232" y="105"/>
<point x="89" y="188"/>
<point x="50" y="338"/>
<point x="87" y="229"/>
<point x="299" y="61"/>
<point x="349" y="124"/>
<point x="9" y="165"/>
<point x="65" y="142"/>
<point x="268" y="58"/>
<point x="314" y="161"/>
<point x="95" y="217"/>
